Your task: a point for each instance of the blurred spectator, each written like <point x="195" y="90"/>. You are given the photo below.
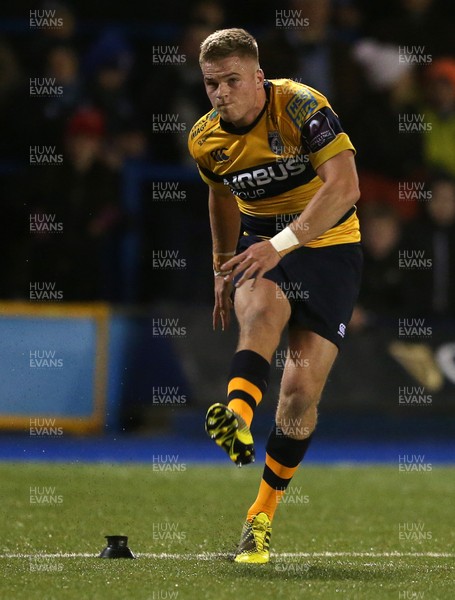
<point x="348" y="27"/>
<point x="429" y="243"/>
<point x="45" y="38"/>
<point x="83" y="195"/>
<point x="420" y="24"/>
<point x="386" y="154"/>
<point x="389" y="93"/>
<point x="381" y="292"/>
<point x="348" y="19"/>
<point x="301" y="44"/>
<point x="190" y="100"/>
<point x="109" y="92"/>
<point x="127" y="142"/>
<point x="62" y="66"/>
<point x="64" y="13"/>
<point x="12" y="92"/>
<point x="439" y="109"/>
<point x="275" y="65"/>
<point x="312" y="44"/>
<point x="107" y="66"/>
<point x="175" y="89"/>
<point x="318" y="52"/>
<point x="209" y="13"/>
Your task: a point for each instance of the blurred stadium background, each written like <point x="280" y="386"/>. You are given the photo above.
<point x="106" y="284"/>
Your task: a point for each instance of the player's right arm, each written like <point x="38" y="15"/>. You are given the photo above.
<point x="225" y="228"/>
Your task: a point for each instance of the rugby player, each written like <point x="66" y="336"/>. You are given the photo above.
<point x="282" y="191"/>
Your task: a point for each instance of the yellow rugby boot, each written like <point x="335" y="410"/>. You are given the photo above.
<point x="231" y="433"/>
<point x="254" y="541"/>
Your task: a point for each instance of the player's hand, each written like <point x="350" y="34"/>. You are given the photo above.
<point x="223" y="303"/>
<point x="253" y="263"/>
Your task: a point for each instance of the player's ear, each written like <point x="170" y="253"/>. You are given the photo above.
<point x="260" y="77"/>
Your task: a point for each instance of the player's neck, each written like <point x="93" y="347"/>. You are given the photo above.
<point x="253" y="114"/>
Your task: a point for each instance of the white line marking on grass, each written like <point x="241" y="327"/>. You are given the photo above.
<point x="215" y="555"/>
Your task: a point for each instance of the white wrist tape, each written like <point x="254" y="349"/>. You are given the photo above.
<point x="285" y="241"/>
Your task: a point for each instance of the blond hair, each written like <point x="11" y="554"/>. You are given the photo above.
<point x="227" y="42"/>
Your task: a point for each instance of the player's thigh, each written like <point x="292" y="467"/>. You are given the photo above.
<point x="262" y="305"/>
<point x="310" y="359"/>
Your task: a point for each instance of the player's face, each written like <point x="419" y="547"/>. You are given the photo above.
<point x="235" y="87"/>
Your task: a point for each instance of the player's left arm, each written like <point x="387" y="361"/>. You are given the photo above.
<point x="339" y="192"/>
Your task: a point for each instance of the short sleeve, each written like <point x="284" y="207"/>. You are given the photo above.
<point x="211" y="179"/>
<point x="323" y="137"/>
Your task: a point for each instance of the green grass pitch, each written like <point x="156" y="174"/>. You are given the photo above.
<point x="364" y="532"/>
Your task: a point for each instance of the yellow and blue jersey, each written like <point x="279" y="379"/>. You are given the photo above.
<point x="270" y="165"/>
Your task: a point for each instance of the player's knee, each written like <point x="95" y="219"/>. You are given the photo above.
<point x="299" y="398"/>
<point x="297" y="412"/>
<point x="297" y="425"/>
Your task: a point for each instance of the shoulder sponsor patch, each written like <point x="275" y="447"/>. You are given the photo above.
<point x="301" y="106"/>
<point x="320" y="129"/>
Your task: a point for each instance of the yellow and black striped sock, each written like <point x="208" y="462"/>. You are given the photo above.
<point x="283" y="456"/>
<point x="248" y="382"/>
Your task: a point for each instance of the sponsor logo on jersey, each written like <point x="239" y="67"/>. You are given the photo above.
<point x="270" y="179"/>
<point x="197" y="130"/>
<point x="301" y="106"/>
<point x="275" y="142"/>
<point x="320" y="129"/>
<point x="219" y="155"/>
<point x="203" y="140"/>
